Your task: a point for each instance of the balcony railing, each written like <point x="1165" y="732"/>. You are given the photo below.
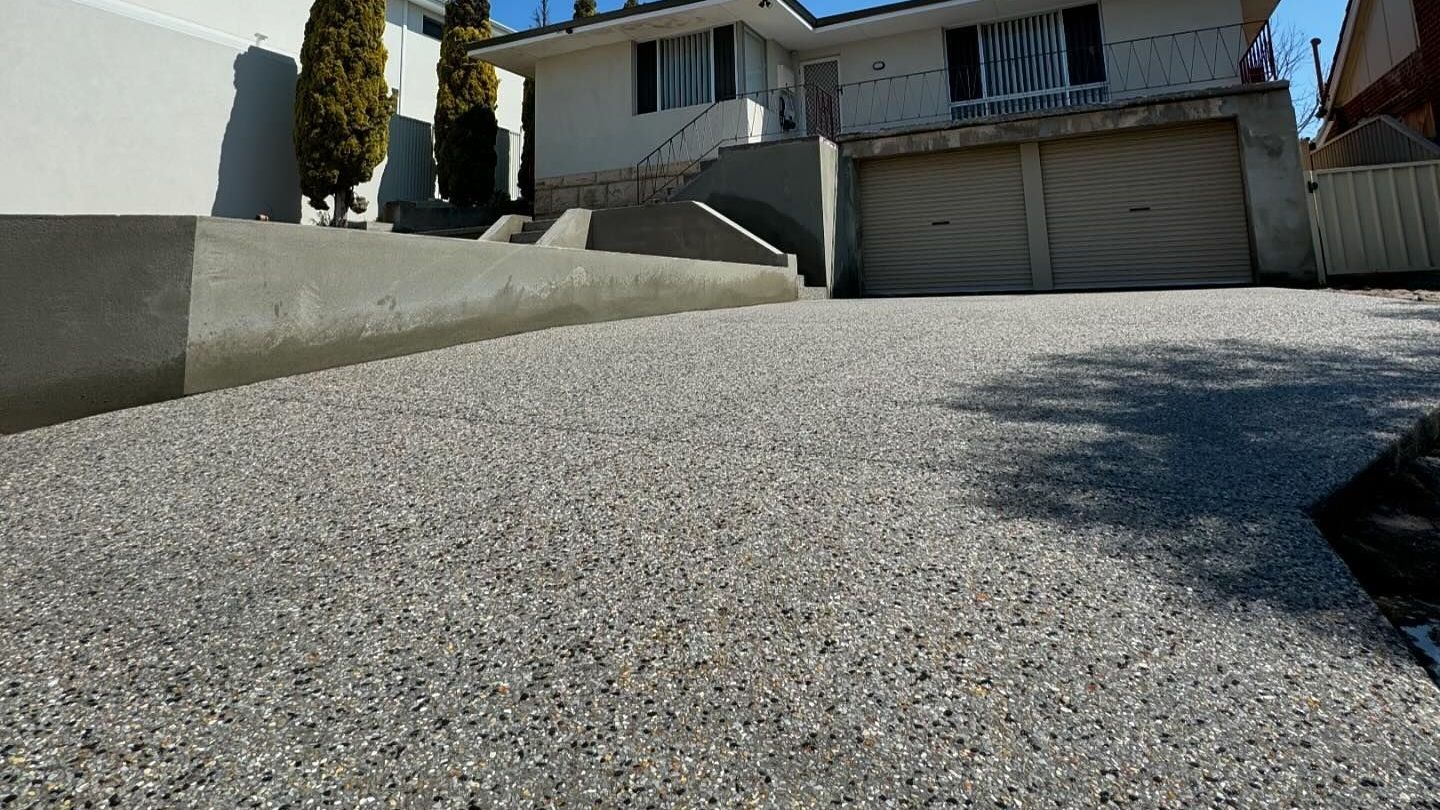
<point x="1033" y="83"/>
<point x="1061" y="79"/>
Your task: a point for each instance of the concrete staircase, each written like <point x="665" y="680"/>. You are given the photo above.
<point x="531" y="232"/>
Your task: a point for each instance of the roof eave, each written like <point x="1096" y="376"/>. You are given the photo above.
<point x="657" y="8"/>
<point x="662" y="7"/>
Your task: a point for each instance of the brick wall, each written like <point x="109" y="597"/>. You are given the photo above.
<point x="1410" y="84"/>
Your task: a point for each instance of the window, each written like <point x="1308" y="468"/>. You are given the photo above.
<point x="724" y="38"/>
<point x="1083" y="45"/>
<point x="685" y="71"/>
<point x="647" y="88"/>
<point x="752" y="63"/>
<point x="675" y="72"/>
<point x="1031" y="57"/>
<point x="431" y="27"/>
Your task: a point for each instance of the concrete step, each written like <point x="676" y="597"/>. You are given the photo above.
<point x="541" y="225"/>
<point x="526" y="237"/>
<point x="457" y="233"/>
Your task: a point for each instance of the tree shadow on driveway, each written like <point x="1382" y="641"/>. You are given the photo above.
<point x="1201" y="461"/>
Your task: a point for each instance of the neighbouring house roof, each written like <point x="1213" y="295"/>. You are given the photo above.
<point x="437" y="7"/>
<point x="787" y="22"/>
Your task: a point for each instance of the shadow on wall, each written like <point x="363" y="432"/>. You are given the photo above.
<point x="258" y="174"/>
<point x="409" y="171"/>
<point x="1198" y="463"/>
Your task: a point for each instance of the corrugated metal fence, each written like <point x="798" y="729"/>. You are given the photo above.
<point x="1378" y="219"/>
<point x="1377" y="142"/>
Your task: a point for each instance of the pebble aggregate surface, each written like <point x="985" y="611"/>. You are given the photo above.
<point x="1020" y="552"/>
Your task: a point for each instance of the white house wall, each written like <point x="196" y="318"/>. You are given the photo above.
<point x="274" y="20"/>
<point x="171" y="106"/>
<point x="903" y="54"/>
<point x="1139" y="19"/>
<point x="169" y="123"/>
<point x="585" y="117"/>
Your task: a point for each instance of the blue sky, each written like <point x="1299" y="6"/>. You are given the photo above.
<point x="1314" y="18"/>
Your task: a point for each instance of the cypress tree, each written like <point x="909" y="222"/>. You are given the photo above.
<point x="465" y="126"/>
<point x="343" y="103"/>
<point x="526" y="179"/>
<point x="631" y="3"/>
<point x="584" y="8"/>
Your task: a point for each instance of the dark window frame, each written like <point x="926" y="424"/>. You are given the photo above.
<point x="1084" y="47"/>
<point x="431" y="27"/>
<point x="647" y="69"/>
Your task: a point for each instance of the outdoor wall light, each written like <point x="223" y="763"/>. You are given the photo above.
<point x="879" y="65"/>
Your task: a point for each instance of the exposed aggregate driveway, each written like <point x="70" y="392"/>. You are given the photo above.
<point x="1042" y="551"/>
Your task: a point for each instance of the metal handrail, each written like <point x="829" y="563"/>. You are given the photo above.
<point x="723" y="122"/>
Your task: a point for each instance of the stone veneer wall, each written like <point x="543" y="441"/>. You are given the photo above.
<point x="594" y="190"/>
<point x="613" y="188"/>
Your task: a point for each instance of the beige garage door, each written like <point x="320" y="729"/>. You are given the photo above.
<point x="944" y="223"/>
<point x="1163" y="207"/>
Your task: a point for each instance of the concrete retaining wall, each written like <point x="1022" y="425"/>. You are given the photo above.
<point x="784" y="193"/>
<point x="111" y="312"/>
<point x="687" y="230"/>
<point x="93" y="314"/>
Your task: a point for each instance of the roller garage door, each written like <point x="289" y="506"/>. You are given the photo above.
<point x="1161" y="207"/>
<point x="947" y="222"/>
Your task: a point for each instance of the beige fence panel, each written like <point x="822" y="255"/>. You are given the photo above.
<point x="1378" y="219"/>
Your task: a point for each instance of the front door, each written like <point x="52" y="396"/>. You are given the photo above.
<point x="822" y="98"/>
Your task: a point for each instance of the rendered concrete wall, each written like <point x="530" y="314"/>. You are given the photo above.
<point x="570" y="230"/>
<point x="776" y="192"/>
<point x="687" y="230"/>
<point x="1275" y="189"/>
<point x="100" y="313"/>
<point x="845" y="274"/>
<point x="1270" y="156"/>
<point x="275" y="300"/>
<point x="93" y="314"/>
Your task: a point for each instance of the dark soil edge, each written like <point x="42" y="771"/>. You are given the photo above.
<point x="1385" y="525"/>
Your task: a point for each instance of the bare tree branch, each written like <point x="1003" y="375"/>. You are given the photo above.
<point x="1292" y="56"/>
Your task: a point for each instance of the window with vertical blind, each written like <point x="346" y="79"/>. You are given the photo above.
<point x="715" y="65"/>
<point x="1031" y="61"/>
<point x="675" y="72"/>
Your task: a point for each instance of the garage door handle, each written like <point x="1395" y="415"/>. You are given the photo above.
<point x="1140" y="209"/>
<point x="941" y="222"/>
